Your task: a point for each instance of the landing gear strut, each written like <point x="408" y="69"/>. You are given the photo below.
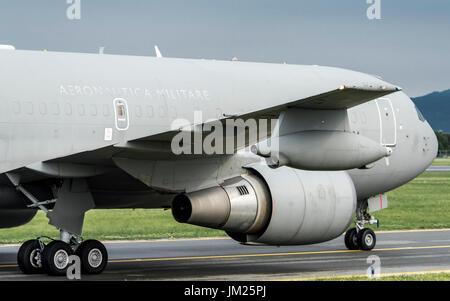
<point x="360" y="237"/>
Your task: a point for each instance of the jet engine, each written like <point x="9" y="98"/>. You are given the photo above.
<point x="283" y="206"/>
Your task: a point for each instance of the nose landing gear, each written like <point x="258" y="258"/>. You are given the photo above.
<point x="360" y="238"/>
<point x="364" y="239"/>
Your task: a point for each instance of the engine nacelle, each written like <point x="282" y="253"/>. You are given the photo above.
<point x="283" y="206"/>
<point x="13" y="204"/>
<point x="13" y="218"/>
<point x="308" y="206"/>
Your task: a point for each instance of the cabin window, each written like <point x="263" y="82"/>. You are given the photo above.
<point x="29" y="107"/>
<point x="149" y="110"/>
<point x="54" y="108"/>
<point x="43" y="108"/>
<point x="105" y="110"/>
<point x="162" y="111"/>
<point x="68" y="109"/>
<point x="16" y="107"/>
<point x="81" y="110"/>
<point x="93" y="109"/>
<point x="138" y="111"/>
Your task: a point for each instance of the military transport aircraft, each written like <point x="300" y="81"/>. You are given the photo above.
<point x="84" y="131"/>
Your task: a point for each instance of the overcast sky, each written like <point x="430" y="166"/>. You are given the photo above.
<point x="409" y="46"/>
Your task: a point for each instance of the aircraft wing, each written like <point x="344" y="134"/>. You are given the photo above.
<point x="343" y="97"/>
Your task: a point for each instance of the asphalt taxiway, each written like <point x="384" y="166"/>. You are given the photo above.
<point x="438" y="168"/>
<point x="408" y="252"/>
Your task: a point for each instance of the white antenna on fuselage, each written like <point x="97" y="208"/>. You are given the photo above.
<point x="158" y="53"/>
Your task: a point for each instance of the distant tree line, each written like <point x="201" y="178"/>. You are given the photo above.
<point x="444" y="142"/>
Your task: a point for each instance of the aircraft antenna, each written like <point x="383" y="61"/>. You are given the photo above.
<point x="158" y="53"/>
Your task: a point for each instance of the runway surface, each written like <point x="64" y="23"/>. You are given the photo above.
<point x="438" y="168"/>
<point x="224" y="259"/>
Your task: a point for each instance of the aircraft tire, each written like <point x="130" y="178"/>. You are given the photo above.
<point x="366" y="239"/>
<point x="56" y="257"/>
<point x="93" y="257"/>
<point x="29" y="257"/>
<point x="351" y="241"/>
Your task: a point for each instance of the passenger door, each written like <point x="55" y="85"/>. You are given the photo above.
<point x="388" y="126"/>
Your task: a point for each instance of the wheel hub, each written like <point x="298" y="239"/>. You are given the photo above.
<point x="95" y="258"/>
<point x="35" y="258"/>
<point x="61" y="259"/>
<point x="369" y="240"/>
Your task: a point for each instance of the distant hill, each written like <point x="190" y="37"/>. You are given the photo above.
<point x="436" y="109"/>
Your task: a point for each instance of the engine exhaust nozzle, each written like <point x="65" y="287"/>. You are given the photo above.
<point x="242" y="205"/>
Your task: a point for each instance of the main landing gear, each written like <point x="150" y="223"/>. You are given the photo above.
<point x="72" y="199"/>
<point x="35" y="257"/>
<point x="360" y="238"/>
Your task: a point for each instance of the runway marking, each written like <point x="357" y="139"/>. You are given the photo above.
<point x="364" y="275"/>
<point x="9" y="266"/>
<point x="164" y="240"/>
<point x="228" y="238"/>
<point x="10" y="245"/>
<point x="259" y="255"/>
<point x="412" y="231"/>
<point x="271" y="254"/>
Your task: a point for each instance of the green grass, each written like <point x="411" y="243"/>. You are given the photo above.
<point x="422" y="203"/>
<point x="113" y="224"/>
<point x="441" y="162"/>
<point x="419" y="277"/>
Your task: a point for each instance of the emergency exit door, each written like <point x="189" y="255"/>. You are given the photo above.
<point x="121" y="114"/>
